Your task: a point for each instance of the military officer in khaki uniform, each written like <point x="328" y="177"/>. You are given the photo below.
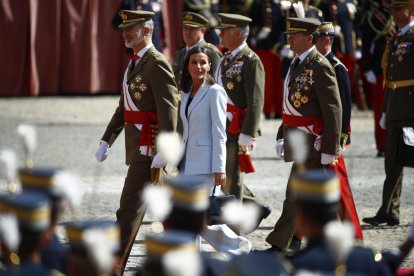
<point x="147" y="105"/>
<point x="312" y="104"/>
<point x="398" y="109"/>
<point x="193" y="27"/>
<point x="242" y="76"/>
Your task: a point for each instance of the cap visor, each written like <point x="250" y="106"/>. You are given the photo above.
<point x="126" y="25"/>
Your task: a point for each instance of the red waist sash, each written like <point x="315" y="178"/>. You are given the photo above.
<point x="146" y="119"/>
<point x="238" y="116"/>
<point x="301" y="121"/>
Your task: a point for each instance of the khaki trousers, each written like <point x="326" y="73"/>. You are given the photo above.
<point x="131" y="209"/>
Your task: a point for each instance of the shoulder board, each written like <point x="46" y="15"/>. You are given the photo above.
<point x="155" y="54"/>
<point x="250" y="54"/>
<point x="337" y="62"/>
<point x="317" y="58"/>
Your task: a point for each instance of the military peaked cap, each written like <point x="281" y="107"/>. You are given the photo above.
<point x="318" y="186"/>
<point x="302" y="25"/>
<point x="189" y="192"/>
<point x="326" y="28"/>
<point x="130" y="18"/>
<point x="158" y="244"/>
<point x="192" y="19"/>
<point x="229" y="20"/>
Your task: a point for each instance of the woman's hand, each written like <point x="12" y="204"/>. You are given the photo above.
<point x="219" y="179"/>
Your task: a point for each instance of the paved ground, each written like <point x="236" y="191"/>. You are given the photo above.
<point x="69" y="129"/>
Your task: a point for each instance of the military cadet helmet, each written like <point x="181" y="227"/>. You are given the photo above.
<point x="40" y="179"/>
<point x="189" y="192"/>
<point x="317" y="186"/>
<point x="229" y="20"/>
<point x="31" y="209"/>
<point x="301" y="25"/>
<point x="326" y="28"/>
<point x="77" y="232"/>
<point x="130" y="18"/>
<point x="158" y="244"/>
<point x="195" y="20"/>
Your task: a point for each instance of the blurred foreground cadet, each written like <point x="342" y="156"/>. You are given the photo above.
<point x="147" y="105"/>
<point x="32" y="211"/>
<point x="398" y="112"/>
<point x="93" y="247"/>
<point x="190" y="199"/>
<point x="172" y="253"/>
<point x="330" y="248"/>
<point x="312" y="107"/>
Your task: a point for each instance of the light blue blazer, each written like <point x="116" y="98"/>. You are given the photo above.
<point x="204" y="130"/>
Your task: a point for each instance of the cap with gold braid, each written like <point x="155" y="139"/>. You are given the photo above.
<point x="318" y="186"/>
<point x="195" y="20"/>
<point x="401" y="3"/>
<point x="158" y="244"/>
<point x="301" y="25"/>
<point x="76" y="233"/>
<point x="31" y="209"/>
<point x="229" y="20"/>
<point x="40" y="179"/>
<point x="130" y="18"/>
<point x="326" y="28"/>
<point x="189" y="192"/>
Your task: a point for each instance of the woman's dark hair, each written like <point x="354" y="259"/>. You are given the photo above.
<point x="186" y="82"/>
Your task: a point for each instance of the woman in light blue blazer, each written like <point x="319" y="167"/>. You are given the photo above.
<point x="203" y="115"/>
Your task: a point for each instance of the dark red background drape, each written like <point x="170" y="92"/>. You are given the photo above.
<point x="61" y="47"/>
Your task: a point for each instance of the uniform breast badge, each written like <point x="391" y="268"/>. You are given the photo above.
<point x="136" y="87"/>
<point x="234" y="70"/>
<point x="302" y="83"/>
<point x="239" y="78"/>
<point x="402" y="49"/>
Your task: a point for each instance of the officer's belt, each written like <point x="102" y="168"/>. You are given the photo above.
<point x="399" y="84"/>
<point x="238" y="116"/>
<point x="302" y="121"/>
<point x="148" y="120"/>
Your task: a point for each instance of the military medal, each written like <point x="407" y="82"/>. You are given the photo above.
<point x="297" y="103"/>
<point x="400" y="58"/>
<point x="137" y="96"/>
<point x="142" y="87"/>
<point x="230" y="85"/>
<point x="238" y="78"/>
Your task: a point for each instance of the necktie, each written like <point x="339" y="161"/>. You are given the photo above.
<point x="133" y="58"/>
<point x="295" y="64"/>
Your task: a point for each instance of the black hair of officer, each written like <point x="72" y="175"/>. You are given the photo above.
<point x="186" y="82"/>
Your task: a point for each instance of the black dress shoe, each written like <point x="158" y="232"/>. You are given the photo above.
<point x="380" y="219"/>
<point x="381" y="153"/>
<point x="265" y="211"/>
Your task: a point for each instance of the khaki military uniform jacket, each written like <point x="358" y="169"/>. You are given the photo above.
<point x="243" y="78"/>
<point x="178" y="63"/>
<point x="152" y="87"/>
<point x="399" y="97"/>
<point x="313" y="92"/>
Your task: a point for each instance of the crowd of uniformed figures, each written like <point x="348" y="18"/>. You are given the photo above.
<point x="305" y="62"/>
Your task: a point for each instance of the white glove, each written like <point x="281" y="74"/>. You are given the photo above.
<point x="411" y="233"/>
<point x="382" y="121"/>
<point x="158" y="161"/>
<point x="286" y="52"/>
<point x="102" y="151"/>
<point x="247" y="140"/>
<point x="327" y="159"/>
<point x="370" y="76"/>
<point x="285" y="5"/>
<point x="280" y="150"/>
